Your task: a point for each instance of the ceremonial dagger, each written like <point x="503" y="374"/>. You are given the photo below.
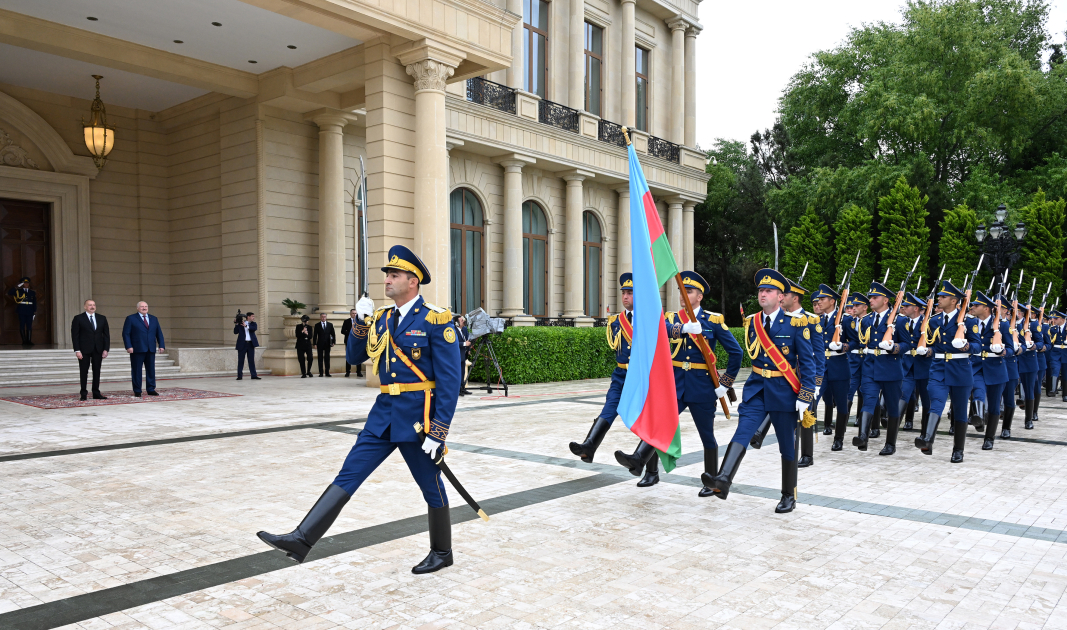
<point x="440" y="463"/>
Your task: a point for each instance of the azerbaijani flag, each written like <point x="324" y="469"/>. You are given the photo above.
<point x="649" y="403"/>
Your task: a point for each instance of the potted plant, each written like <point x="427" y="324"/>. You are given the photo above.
<point x="293" y="305"/>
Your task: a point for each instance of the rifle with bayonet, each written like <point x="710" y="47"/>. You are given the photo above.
<point x="929" y="309"/>
<point x="900" y="299"/>
<point x="846" y="283"/>
<point x="968" y="286"/>
<point x="998" y="339"/>
<point x="1027" y="335"/>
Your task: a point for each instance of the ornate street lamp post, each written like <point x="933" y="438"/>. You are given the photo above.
<point x="1001" y="248"/>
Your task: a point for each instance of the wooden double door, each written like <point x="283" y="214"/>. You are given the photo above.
<point x="25" y="251"/>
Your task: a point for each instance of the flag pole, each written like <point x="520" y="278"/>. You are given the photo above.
<point x="700" y="341"/>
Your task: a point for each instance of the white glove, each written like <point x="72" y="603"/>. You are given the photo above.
<point x="720" y="391"/>
<point x="692" y="328"/>
<point x="885" y="345"/>
<point x="922" y="352"/>
<point x="817" y="390"/>
<point x="996" y="348"/>
<point x="430" y="446"/>
<point x="801" y="406"/>
<point x="1029" y="345"/>
<point x="959" y="343"/>
<point x="836" y="346"/>
<point x="364" y="307"/>
<point x="1017" y="348"/>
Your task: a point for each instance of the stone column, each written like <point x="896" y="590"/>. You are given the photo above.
<point x="688" y="257"/>
<point x="691" y="86"/>
<point x="678" y="69"/>
<point x="512" y="165"/>
<point x="431" y="66"/>
<point x="674" y="236"/>
<point x="514" y="71"/>
<point x="624" y="254"/>
<point x="577" y="53"/>
<point x="331" y="212"/>
<point x="573" y="269"/>
<point x="629" y="65"/>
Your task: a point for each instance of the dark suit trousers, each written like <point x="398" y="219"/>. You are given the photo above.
<point x="94" y="360"/>
<point x="250" y="352"/>
<point x="148" y="360"/>
<point x="324" y="359"/>
<point x="302" y="355"/>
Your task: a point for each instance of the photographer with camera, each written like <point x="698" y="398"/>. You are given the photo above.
<point x="244" y="326"/>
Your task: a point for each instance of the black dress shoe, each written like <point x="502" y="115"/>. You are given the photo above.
<point x="987" y="445"/>
<point x="347" y="374"/>
<point x="876" y="432"/>
<point x="888" y="449"/>
<point x="303" y="376"/>
<point x="805" y="461"/>
<point x="153" y="393"/>
<point x="837" y="446"/>
<point x="827" y="431"/>
<point x="84" y="396"/>
<point x="434" y="561"/>
<point x="137" y="394"/>
<point x="907" y="425"/>
<point x="256" y="378"/>
<point x="1005" y="434"/>
<point x="99" y="396"/>
<point x="331" y="376"/>
<point x="957" y="457"/>
<point x="240" y="378"/>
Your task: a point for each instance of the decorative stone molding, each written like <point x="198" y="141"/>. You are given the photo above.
<point x="526" y="105"/>
<point x="678" y="23"/>
<point x="429" y="62"/>
<point x="589" y="125"/>
<point x="430" y="74"/>
<point x="45" y="138"/>
<point x="12" y="154"/>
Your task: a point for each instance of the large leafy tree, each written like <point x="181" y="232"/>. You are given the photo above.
<point x="1042" y="254"/>
<point x="902" y="229"/>
<point x="808" y="244"/>
<point x="853" y="229"/>
<point x="959" y="249"/>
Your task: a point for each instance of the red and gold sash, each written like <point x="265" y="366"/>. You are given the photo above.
<point x="422" y="377"/>
<point x="684" y="317"/>
<point x="627" y="328"/>
<point x="775" y="354"/>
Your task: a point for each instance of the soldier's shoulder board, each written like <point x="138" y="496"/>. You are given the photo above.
<point x="437" y="315"/>
<point x="715" y="318"/>
<point x="611" y="320"/>
<point x="669" y="315"/>
<point x="799" y="322"/>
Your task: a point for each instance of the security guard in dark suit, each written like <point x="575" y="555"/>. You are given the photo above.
<point x="619" y="332"/>
<point x="951" y="377"/>
<point x="770" y="387"/>
<point x="989" y="368"/>
<point x="882" y="372"/>
<point x="412" y="347"/>
<point x="692" y="381"/>
<point x="26" y="307"/>
<point x="837" y="372"/>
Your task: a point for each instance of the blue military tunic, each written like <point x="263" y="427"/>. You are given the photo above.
<point x="619" y="340"/>
<point x="990" y="370"/>
<point x="950" y="373"/>
<point x="916" y="367"/>
<point x="420" y="380"/>
<point x="883" y="371"/>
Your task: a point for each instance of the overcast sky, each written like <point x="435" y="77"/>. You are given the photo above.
<point x="749" y="50"/>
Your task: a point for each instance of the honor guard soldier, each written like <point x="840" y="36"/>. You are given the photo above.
<point x="950" y="373"/>
<point x="1029" y="364"/>
<point x="692" y="380"/>
<point x="838" y="372"/>
<point x="856" y="349"/>
<point x="791" y="304"/>
<point x="882" y="371"/>
<point x="989" y="366"/>
<point x="26" y="307"/>
<point x="916" y="368"/>
<point x="782" y="384"/>
<point x="1042" y="358"/>
<point x="620" y="333"/>
<point x="1011" y="365"/>
<point x="1053" y="354"/>
<point x="413" y="349"/>
<point x="1059" y="347"/>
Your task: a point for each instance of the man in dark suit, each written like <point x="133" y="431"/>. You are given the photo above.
<point x="464" y="335"/>
<point x="324" y="339"/>
<point x="140" y="334"/>
<point x="92" y="340"/>
<point x="246" y="345"/>
<point x="346" y="328"/>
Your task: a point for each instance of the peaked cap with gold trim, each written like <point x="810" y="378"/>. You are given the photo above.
<point x="404" y="259"/>
<point x="770" y="279"/>
<point x="626" y="281"/>
<point x="693" y="279"/>
<point x="793" y="287"/>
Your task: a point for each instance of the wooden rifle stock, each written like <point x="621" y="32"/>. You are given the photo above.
<point x="960" y="330"/>
<point x="926" y="322"/>
<point x="998" y="339"/>
<point x="702" y="344"/>
<point x="893" y="317"/>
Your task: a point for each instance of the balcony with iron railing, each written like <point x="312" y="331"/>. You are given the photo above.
<point x="664" y="149"/>
<point x="490" y="94"/>
<point x="611" y="133"/>
<point x="557" y="115"/>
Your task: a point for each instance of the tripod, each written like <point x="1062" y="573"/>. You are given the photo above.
<point x="489" y="358"/>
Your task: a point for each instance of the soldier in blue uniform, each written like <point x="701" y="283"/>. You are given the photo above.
<point x="26" y="307"/>
<point x="882" y="371"/>
<point x="791" y="304"/>
<point x="692" y="381"/>
<point x="1011" y="365"/>
<point x="950" y="373"/>
<point x="619" y="334"/>
<point x="916" y="368"/>
<point x="856" y="350"/>
<point x="770" y="387"/>
<point x="1053" y="354"/>
<point x="838" y="371"/>
<point x="1059" y="349"/>
<point x="989" y="366"/>
<point x="1042" y="360"/>
<point x="1029" y="365"/>
<point x="413" y="349"/>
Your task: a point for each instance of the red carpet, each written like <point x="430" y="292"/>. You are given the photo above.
<point x="67" y="401"/>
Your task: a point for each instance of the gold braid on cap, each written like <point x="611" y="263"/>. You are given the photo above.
<point x="396" y="263"/>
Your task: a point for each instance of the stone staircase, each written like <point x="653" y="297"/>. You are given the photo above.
<point x="60" y="367"/>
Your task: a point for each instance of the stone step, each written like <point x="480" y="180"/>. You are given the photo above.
<point x="62" y="366"/>
<point x="114" y="378"/>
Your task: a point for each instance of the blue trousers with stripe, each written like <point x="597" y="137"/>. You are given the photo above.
<point x="1030" y="383"/>
<point x="750" y="415"/>
<point x="369" y="452"/>
<point x="940" y="394"/>
<point x="611" y="401"/>
<point x="704" y="419"/>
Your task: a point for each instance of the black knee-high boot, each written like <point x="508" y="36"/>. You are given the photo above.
<point x="959" y="439"/>
<point x="731" y="461"/>
<point x="1009" y="414"/>
<point x="636" y="463"/>
<point x="651" y="477"/>
<point x="839" y="432"/>
<point x="807" y="447"/>
<point x="711" y="468"/>
<point x="828" y="419"/>
<point x="587" y="449"/>
<point x="789" y="487"/>
<point x="860" y="441"/>
<point x="925" y="442"/>
<point x="909" y="415"/>
<point x="891" y="437"/>
<point x="440" y="555"/>
<point x="990" y="431"/>
<point x="1028" y="413"/>
<point x="298" y="543"/>
<point x="761" y="433"/>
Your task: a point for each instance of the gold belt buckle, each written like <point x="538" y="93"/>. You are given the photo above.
<point x="394" y="389"/>
<point x="948" y="356"/>
<point x="686" y="365"/>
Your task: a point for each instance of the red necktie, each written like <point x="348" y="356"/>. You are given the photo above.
<point x="145" y="318"/>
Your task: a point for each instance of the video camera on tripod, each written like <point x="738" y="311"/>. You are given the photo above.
<point x="482" y="328"/>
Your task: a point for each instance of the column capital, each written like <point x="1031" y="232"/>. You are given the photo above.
<point x="693" y="30"/>
<point x="623" y="190"/>
<point x="429" y="62"/>
<point x="576" y="175"/>
<point x="674" y="201"/>
<point x="513" y="162"/>
<point x="678" y="23"/>
<point x="689" y="206"/>
<point x="634" y="2"/>
<point x="330" y="118"/>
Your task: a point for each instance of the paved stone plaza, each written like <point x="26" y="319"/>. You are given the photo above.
<point x="144" y="516"/>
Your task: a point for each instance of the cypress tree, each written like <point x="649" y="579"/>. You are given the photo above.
<point x="808" y="242"/>
<point x="959" y="249"/>
<point x="903" y="232"/>
<point x="853" y="228"/>
<point x="1042" y="250"/>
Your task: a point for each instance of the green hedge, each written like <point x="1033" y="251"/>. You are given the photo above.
<point x="535" y="354"/>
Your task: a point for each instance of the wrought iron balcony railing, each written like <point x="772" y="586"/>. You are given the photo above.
<point x="557" y="115"/>
<point x="611" y="133"/>
<point x="485" y="92"/>
<point x="664" y="149"/>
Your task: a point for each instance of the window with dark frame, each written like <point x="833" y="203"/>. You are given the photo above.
<point x="467" y="251"/>
<point x="593" y="264"/>
<point x="641" y="89"/>
<point x="534" y="260"/>
<point x="594" y="66"/>
<point x="535" y="46"/>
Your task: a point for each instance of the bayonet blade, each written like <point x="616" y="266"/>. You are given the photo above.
<point x="803" y="273"/>
<point x="886" y="278"/>
<point x="775" y="225"/>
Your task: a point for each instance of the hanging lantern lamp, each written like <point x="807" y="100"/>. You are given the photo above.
<point x="99" y="137"/>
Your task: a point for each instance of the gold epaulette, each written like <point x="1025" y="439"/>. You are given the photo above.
<point x="611" y="320"/>
<point x="799" y="322"/>
<point x="669" y="316"/>
<point x="437" y="315"/>
<point x="716" y="318"/>
<point x="813" y="319"/>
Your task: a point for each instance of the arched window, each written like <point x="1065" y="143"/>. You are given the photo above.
<point x="594" y="263"/>
<point x="534" y="260"/>
<point x="468" y="253"/>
